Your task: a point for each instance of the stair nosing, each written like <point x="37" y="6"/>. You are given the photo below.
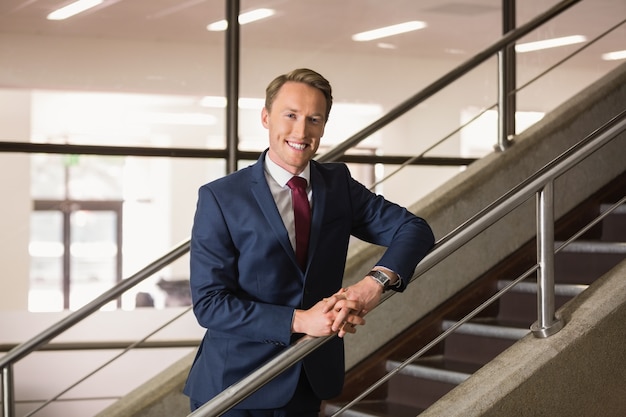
<point x="349" y="412"/>
<point x="592" y="246"/>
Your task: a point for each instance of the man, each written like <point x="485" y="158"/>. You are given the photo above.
<point x="248" y="288"/>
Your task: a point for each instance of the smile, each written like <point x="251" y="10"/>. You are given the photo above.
<point x="298" y="146"/>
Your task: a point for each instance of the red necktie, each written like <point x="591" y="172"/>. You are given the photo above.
<point x="302" y="217"/>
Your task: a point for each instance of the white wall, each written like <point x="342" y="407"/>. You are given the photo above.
<point x="16" y="202"/>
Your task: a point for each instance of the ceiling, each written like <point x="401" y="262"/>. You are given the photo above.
<point x="456" y="28"/>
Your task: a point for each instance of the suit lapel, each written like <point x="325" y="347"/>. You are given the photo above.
<point x="317" y="215"/>
<point x="264" y="198"/>
<point x="263" y="195"/>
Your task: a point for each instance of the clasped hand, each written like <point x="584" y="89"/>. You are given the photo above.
<point x="345" y="313"/>
<point x="335" y="314"/>
<point x="339" y="313"/>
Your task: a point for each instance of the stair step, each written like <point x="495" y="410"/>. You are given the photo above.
<point x="436" y="369"/>
<point x="481" y="340"/>
<point x="492" y="330"/>
<point x="519" y="304"/>
<point x="584" y="268"/>
<point x="614" y="224"/>
<point x="530" y="287"/>
<point x="621" y="209"/>
<point x="592" y="246"/>
<point x="375" y="408"/>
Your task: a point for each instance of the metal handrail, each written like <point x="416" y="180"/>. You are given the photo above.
<point x="127" y="349"/>
<point x="62" y="325"/>
<point x="411" y="160"/>
<point x="546" y="325"/>
<point x="446" y="80"/>
<point x="472" y="314"/>
<point x="121" y="344"/>
<point x="17" y="353"/>
<point x="337" y="151"/>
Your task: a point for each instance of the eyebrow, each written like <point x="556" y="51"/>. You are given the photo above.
<point x="316" y="114"/>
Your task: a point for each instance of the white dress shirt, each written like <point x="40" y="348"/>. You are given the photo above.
<point x="277" y="178"/>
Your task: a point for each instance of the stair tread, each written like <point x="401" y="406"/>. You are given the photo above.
<point x="621" y="209"/>
<point x="374" y="408"/>
<point x="530" y="286"/>
<point x="436" y="368"/>
<point x="593" y="246"/>
<point x="490" y="327"/>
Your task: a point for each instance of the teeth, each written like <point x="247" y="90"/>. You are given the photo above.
<point x="298" y="146"/>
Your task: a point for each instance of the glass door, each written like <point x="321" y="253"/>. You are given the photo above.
<point x="75" y="253"/>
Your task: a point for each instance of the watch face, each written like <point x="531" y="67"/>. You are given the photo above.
<point x="380" y="277"/>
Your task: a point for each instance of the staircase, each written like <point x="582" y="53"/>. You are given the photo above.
<point x="473" y="344"/>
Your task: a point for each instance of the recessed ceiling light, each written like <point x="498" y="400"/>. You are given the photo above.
<point x="383" y="32"/>
<point x="213" y="101"/>
<point x="549" y="43"/>
<point x="453" y="51"/>
<point x="73" y="9"/>
<point x="248" y="17"/>
<point x="614" y="56"/>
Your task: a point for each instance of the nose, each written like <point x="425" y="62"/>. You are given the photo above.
<point x="300" y="128"/>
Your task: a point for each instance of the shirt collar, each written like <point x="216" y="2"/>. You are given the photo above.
<point x="281" y="176"/>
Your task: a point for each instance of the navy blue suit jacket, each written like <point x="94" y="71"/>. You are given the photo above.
<point x="246" y="283"/>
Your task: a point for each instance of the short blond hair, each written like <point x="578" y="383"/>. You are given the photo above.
<point x="300" y="75"/>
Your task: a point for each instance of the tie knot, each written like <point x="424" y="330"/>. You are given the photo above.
<point x="297" y="183"/>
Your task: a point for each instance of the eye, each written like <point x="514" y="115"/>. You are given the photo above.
<point x="316" y="120"/>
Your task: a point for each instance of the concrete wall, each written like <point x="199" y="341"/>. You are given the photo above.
<point x="16" y="207"/>
<point x="162" y="396"/>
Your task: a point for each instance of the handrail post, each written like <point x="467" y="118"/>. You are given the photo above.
<point x="506" y="81"/>
<point x="232" y="84"/>
<point x="8" y="403"/>
<point x="547" y="324"/>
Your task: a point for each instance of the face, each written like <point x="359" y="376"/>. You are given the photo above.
<point x="295" y="124"/>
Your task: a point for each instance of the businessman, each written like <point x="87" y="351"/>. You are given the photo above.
<point x="268" y="257"/>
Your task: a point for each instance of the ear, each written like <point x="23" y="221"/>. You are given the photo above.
<point x="265" y="116"/>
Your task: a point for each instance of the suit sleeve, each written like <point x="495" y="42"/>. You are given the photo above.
<point x="408" y="238"/>
<point x="220" y="304"/>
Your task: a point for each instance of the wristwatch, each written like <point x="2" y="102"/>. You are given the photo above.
<point x="380" y="277"/>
